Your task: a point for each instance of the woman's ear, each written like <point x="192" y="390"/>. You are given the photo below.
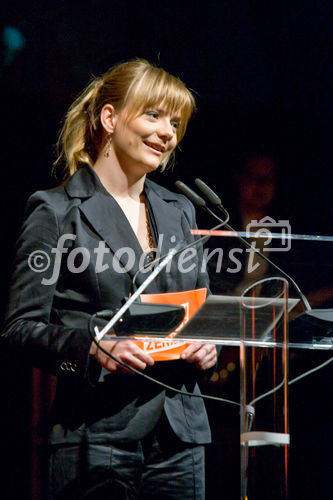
<point x="108" y="118"/>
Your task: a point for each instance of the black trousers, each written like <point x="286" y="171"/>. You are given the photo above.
<point x="159" y="467"/>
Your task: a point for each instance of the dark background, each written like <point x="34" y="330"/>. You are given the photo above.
<point x="261" y="72"/>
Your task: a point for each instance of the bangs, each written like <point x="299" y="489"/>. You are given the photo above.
<point x="156" y="86"/>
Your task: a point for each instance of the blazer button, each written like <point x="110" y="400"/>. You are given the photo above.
<point x="71" y="366"/>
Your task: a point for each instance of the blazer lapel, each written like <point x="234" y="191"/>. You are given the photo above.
<point x="168" y="220"/>
<point x="106" y="217"/>
<point x="109" y="221"/>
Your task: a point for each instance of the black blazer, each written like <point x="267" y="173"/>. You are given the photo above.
<point x="49" y="309"/>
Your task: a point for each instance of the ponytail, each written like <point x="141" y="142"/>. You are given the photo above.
<point x="79" y="137"/>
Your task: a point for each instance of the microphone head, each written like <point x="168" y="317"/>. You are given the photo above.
<point x="194" y="197"/>
<point x="208" y="192"/>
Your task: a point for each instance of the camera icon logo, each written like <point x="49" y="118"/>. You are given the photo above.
<point x="269" y="229"/>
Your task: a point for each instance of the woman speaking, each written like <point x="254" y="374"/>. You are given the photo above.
<point x="113" y="434"/>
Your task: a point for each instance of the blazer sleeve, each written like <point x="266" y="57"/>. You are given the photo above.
<point x="28" y="329"/>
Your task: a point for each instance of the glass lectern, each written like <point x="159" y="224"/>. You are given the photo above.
<point x="258" y="323"/>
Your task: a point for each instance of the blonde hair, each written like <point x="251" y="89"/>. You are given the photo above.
<point x="136" y="85"/>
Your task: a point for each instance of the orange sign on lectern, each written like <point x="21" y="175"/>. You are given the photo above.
<point x="166" y="348"/>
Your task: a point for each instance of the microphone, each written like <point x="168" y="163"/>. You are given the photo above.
<point x="200" y="202"/>
<point x="192" y="195"/>
<point x="208" y="192"/>
<point x="215" y="200"/>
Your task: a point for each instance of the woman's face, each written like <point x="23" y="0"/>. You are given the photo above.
<point x="146" y="140"/>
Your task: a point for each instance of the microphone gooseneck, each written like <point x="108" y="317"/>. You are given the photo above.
<point x="215" y="200"/>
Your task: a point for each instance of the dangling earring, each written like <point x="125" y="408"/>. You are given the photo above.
<point x="108" y="146"/>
